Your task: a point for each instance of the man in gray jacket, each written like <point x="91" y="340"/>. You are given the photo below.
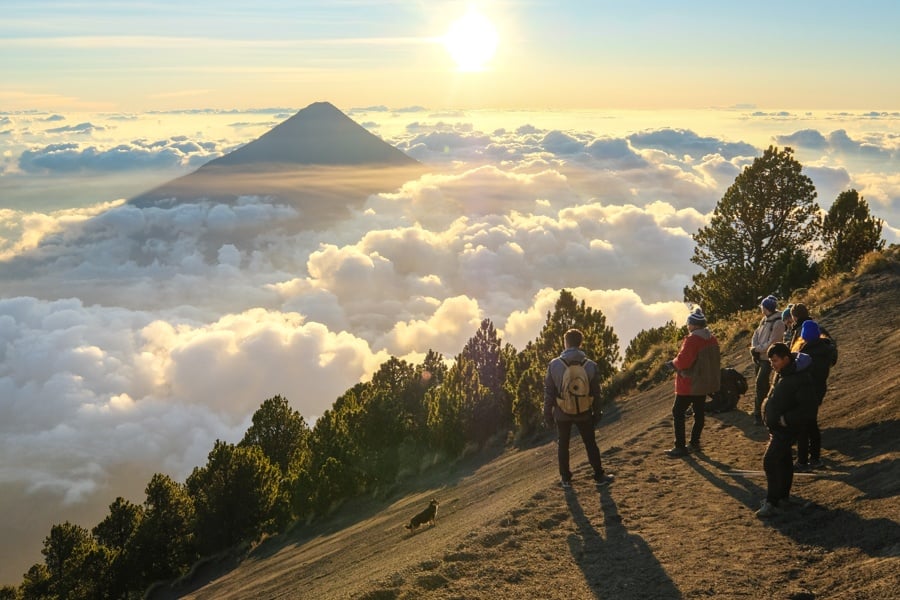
<point x="571" y="397"/>
<point x="769" y="331"/>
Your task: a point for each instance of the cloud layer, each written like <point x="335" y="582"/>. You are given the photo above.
<point x="132" y="338"/>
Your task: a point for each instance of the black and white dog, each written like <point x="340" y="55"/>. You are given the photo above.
<point x="426" y="516"/>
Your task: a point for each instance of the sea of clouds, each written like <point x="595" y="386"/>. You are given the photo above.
<point x="131" y="339"/>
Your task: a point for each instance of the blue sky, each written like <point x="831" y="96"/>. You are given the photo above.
<point x="652" y="54"/>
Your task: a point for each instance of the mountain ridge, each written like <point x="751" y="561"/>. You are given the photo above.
<point x="664" y="529"/>
<point x="319" y="160"/>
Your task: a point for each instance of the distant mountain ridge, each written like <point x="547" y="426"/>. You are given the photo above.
<point x="283" y="163"/>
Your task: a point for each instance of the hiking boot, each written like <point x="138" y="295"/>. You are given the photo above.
<point x="801" y="467"/>
<point x="566" y="484"/>
<point x="757" y="420"/>
<point x="788" y="503"/>
<point x="694" y="446"/>
<point x="677" y="452"/>
<point x="816" y="463"/>
<point x="603" y="481"/>
<point x="767" y="510"/>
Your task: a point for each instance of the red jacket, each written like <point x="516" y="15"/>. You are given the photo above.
<point x="698" y="364"/>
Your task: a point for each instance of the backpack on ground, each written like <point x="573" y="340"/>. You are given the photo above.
<point x="733" y="386"/>
<point x="575" y="391"/>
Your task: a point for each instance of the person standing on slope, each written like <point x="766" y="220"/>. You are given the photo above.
<point x="823" y="352"/>
<point x="571" y="397"/>
<point x="769" y="331"/>
<point x="789" y="405"/>
<point x="697" y="373"/>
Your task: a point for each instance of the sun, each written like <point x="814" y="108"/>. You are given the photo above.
<point x="471" y="41"/>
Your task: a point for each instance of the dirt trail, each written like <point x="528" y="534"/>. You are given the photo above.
<point x="666" y="528"/>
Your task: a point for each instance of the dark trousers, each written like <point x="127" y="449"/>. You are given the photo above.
<point x="779" y="467"/>
<point x="763" y="383"/>
<point x="698" y="403"/>
<point x="809" y="441"/>
<point x="586" y="429"/>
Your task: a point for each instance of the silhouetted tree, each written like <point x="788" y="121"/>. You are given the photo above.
<point x="233" y="496"/>
<point x="163" y="545"/>
<point x="65" y="552"/>
<point x="114" y="534"/>
<point x="768" y="212"/>
<point x="36" y="583"/>
<point x="849" y="232"/>
<point x="484" y="351"/>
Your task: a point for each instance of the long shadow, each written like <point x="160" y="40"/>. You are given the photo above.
<point x="616" y="566"/>
<point x="815" y="524"/>
<point x="741" y="489"/>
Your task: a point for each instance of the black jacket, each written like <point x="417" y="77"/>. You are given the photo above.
<point x="792" y="396"/>
<point x="823" y="353"/>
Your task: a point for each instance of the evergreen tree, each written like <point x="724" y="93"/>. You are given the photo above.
<point x="767" y="215"/>
<point x="849" y="232"/>
<point x="233" y="496"/>
<point x="281" y="433"/>
<point x="483" y="350"/>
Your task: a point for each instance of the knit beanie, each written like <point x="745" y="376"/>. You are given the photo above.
<point x="697" y="318"/>
<point x="810" y="331"/>
<point x="770" y="303"/>
<point x="786" y="313"/>
<point x="800" y="313"/>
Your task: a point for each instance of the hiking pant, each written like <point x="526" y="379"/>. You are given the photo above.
<point x="681" y="404"/>
<point x="763" y="383"/>
<point x="809" y="441"/>
<point x="586" y="429"/>
<point x="778" y="464"/>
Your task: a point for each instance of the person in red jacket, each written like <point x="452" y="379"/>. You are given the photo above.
<point x="697" y="373"/>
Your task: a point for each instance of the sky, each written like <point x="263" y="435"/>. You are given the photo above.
<point x="582" y="154"/>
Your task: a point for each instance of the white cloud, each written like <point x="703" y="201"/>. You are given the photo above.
<point x="131" y="338"/>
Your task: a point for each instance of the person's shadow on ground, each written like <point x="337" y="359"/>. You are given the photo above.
<point x="609" y="565"/>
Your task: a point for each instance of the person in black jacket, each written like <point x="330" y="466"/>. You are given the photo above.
<point x="823" y="352"/>
<point x="789" y="405"/>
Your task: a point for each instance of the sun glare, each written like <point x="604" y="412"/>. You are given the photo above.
<point x="471" y="41"/>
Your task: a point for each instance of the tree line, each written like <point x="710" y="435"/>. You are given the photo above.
<point x="766" y="235"/>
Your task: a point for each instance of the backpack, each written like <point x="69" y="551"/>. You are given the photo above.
<point x="575" y="392"/>
<point x="733" y="386"/>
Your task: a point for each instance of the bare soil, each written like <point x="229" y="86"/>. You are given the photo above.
<point x="665" y="528"/>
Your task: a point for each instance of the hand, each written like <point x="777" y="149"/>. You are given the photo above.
<point x="669" y="366"/>
<point x="549" y="422"/>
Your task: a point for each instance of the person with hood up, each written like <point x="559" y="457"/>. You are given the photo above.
<point x="789" y="405"/>
<point x="823" y="352"/>
<point x="584" y="420"/>
<point x="769" y="331"/>
<point x="697" y="373"/>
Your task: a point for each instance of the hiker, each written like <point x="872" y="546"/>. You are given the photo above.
<point x="823" y="353"/>
<point x="769" y="331"/>
<point x="787" y="408"/>
<point x="788" y="321"/>
<point x="697" y="373"/>
<point x="565" y="382"/>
